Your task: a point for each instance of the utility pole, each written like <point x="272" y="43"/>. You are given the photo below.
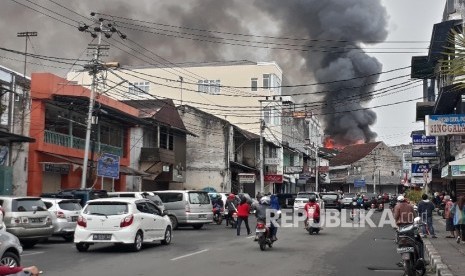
<point x="95" y="67"/>
<point x="181" y="79"/>
<point x="317" y="164"/>
<point x="25" y="89"/>
<point x="262" y="154"/>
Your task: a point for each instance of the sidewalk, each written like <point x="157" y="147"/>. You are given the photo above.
<point x="446" y="250"/>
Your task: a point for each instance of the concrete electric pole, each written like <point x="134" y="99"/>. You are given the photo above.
<point x="95" y="67"/>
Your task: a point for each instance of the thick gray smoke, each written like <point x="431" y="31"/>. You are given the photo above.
<point x="355" y="21"/>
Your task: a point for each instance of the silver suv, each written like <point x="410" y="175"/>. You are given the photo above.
<point x="27" y="218"/>
<point x="65" y="213"/>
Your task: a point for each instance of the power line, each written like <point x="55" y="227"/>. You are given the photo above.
<point x="64" y="22"/>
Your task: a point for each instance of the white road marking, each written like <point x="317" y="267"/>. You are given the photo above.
<point x="188" y="255"/>
<point x="31" y="253"/>
<point x="251" y="237"/>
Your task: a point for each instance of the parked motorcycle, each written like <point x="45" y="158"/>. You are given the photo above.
<point x="263" y="235"/>
<point x="411" y="248"/>
<point x="218" y="215"/>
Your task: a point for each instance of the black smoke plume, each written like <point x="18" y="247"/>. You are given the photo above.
<point x="337" y="29"/>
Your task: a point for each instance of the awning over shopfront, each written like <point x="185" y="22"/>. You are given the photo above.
<point x="8" y="137"/>
<point x="243" y="167"/>
<point x="124" y="170"/>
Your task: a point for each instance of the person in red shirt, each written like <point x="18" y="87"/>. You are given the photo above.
<point x="7" y="270"/>
<point x="312" y="209"/>
<point x="243" y="211"/>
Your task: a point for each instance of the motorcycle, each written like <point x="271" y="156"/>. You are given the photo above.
<point x="232" y="219"/>
<point x="218" y="215"/>
<point x="313" y="226"/>
<point x="411" y="248"/>
<point x="392" y="203"/>
<point x="380" y="205"/>
<point x="356" y="206"/>
<point x="263" y="235"/>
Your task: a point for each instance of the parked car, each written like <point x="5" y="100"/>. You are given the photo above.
<point x="128" y="221"/>
<point x="83" y="195"/>
<point x="346" y="201"/>
<point x="27" y="218"/>
<point x="187" y="207"/>
<point x="331" y="200"/>
<point x="148" y="195"/>
<point x="65" y="213"/>
<point x="10" y="249"/>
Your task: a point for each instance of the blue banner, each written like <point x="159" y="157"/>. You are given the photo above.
<point x="425" y="152"/>
<point x="423" y="140"/>
<point x="419" y="169"/>
<point x="359" y="183"/>
<point x="108" y="166"/>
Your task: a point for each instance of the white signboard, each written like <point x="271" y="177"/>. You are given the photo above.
<point x="246" y="178"/>
<point x="272" y="161"/>
<point x="442" y="125"/>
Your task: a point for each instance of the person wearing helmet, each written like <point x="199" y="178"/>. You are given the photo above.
<point x="231" y="205"/>
<point x="261" y="213"/>
<point x="403" y="212"/>
<point x="312" y="209"/>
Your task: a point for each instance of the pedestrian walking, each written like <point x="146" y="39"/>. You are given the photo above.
<point x="243" y="215"/>
<point x="425" y="210"/>
<point x="449" y="203"/>
<point x="459" y="218"/>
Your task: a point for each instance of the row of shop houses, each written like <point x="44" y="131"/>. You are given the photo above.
<point x="160" y="145"/>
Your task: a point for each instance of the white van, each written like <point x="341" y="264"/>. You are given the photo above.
<point x="187" y="207"/>
<point x="148" y="195"/>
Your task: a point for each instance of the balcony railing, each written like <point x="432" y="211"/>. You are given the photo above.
<point x="78" y="143"/>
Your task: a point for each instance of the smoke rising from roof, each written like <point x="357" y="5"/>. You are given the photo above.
<point x="356" y="21"/>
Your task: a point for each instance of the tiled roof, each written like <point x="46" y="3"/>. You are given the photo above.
<point x="162" y="111"/>
<point x="353" y="153"/>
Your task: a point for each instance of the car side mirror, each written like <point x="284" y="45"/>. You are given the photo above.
<point x="164" y="213"/>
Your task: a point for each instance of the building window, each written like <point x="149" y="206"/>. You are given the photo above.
<point x="267" y="115"/>
<point x="254" y="84"/>
<point x="291" y="160"/>
<point x="266" y="81"/>
<point x="276" y="118"/>
<point x="209" y="86"/>
<point x="139" y="88"/>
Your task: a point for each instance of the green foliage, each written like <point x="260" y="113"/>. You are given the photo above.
<point x="454" y="64"/>
<point x="414" y="196"/>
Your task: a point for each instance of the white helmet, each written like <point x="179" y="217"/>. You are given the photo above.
<point x="265" y="200"/>
<point x="400" y="198"/>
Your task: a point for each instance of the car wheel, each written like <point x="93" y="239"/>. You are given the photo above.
<point x="138" y="240"/>
<point x="29" y="244"/>
<point x="82" y="247"/>
<point x="197" y="226"/>
<point x="9" y="259"/>
<point x="174" y="222"/>
<point x="68" y="238"/>
<point x="167" y="238"/>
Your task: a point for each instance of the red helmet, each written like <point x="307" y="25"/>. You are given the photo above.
<point x="231" y="196"/>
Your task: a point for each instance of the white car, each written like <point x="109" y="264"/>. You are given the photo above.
<point x="306" y="195"/>
<point x="128" y="221"/>
<point x="299" y="203"/>
<point x="65" y="213"/>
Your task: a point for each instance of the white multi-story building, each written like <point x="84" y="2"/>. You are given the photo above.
<point x="235" y="91"/>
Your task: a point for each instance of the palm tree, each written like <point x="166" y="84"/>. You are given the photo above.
<point x="453" y="66"/>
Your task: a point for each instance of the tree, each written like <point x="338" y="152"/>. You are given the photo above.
<point x="453" y="65"/>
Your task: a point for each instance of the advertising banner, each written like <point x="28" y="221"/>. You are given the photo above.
<point x="442" y="125"/>
<point x="425" y="152"/>
<point x="423" y="140"/>
<point x="275" y="178"/>
<point x="419" y="169"/>
<point x="457" y="170"/>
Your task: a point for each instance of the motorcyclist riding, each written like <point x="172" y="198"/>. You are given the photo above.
<point x="312" y="209"/>
<point x="261" y="213"/>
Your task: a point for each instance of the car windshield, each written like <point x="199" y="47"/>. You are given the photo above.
<point x="106" y="208"/>
<point x="329" y="196"/>
<point x="70" y="205"/>
<point x="199" y="198"/>
<point x="28" y="205"/>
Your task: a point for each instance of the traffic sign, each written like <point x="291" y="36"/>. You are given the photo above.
<point x="359" y="183"/>
<point x="108" y="166"/>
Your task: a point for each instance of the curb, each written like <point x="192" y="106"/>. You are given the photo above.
<point x="435" y="260"/>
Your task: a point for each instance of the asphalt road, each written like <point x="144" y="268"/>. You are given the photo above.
<point x="216" y="250"/>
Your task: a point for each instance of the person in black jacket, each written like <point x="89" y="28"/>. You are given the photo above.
<point x="425" y="210"/>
